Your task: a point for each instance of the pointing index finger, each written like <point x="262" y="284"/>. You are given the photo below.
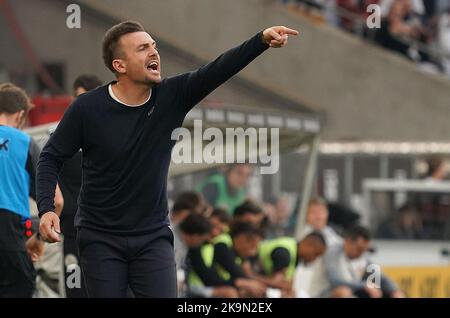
<point x="290" y="31"/>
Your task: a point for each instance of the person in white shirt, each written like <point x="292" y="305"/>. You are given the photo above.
<point x="309" y="279"/>
<point x="317" y="220"/>
<point x="346" y="272"/>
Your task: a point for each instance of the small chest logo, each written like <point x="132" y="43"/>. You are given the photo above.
<point x="4" y="144"/>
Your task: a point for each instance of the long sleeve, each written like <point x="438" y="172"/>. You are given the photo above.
<point x="31" y="166"/>
<point x="208" y="275"/>
<point x="62" y="145"/>
<point x="333" y="270"/>
<point x="198" y="84"/>
<point x="225" y="258"/>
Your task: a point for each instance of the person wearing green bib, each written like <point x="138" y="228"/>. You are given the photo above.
<point x="201" y="277"/>
<point x="232" y="250"/>
<point x="227" y="190"/>
<point x="279" y="258"/>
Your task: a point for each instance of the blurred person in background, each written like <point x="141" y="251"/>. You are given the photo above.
<point x="221" y="221"/>
<point x="434" y="208"/>
<point x="354" y="13"/>
<point x="317" y="216"/>
<point x="70" y="183"/>
<point x="186" y="203"/>
<point x="403" y="22"/>
<point x="202" y="279"/>
<point x="405" y="225"/>
<point x="227" y="190"/>
<point x="85" y="83"/>
<point x="317" y="220"/>
<point x="280" y="257"/>
<point x="343" y="278"/>
<point x="232" y="250"/>
<point x="437" y="170"/>
<point x="443" y="39"/>
<point x="278" y="212"/>
<point x="251" y="212"/>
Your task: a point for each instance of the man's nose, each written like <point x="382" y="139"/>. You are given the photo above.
<point x="152" y="52"/>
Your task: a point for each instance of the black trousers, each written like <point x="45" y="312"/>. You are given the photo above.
<point x="17" y="275"/>
<point x="71" y="257"/>
<point x="111" y="263"/>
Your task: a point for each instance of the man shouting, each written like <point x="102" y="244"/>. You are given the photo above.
<point x="124" y="129"/>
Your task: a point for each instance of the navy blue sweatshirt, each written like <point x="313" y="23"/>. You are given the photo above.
<point x="127" y="150"/>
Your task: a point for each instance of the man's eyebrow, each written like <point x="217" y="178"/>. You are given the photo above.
<point x="143" y="45"/>
<point x="146" y="45"/>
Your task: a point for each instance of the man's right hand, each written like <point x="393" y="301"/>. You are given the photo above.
<point x="49" y="227"/>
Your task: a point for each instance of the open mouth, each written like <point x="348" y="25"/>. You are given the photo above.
<point x="153" y="66"/>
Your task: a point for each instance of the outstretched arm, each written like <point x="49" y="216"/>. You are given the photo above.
<point x="198" y="84"/>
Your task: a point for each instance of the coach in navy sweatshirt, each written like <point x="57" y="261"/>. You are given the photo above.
<point x="124" y="130"/>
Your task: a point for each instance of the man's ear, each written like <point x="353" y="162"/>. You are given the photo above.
<point x="119" y="65"/>
<point x="19" y="119"/>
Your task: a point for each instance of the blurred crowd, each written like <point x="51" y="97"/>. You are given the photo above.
<point x="417" y="29"/>
<point x="227" y="245"/>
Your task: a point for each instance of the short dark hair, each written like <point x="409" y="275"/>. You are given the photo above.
<point x="248" y="207"/>
<point x="112" y="37"/>
<point x="316" y="237"/>
<point x="87" y="81"/>
<point x="239" y="228"/>
<point x="13" y="99"/>
<point x="222" y="215"/>
<point x="357" y="231"/>
<point x="195" y="224"/>
<point x="188" y="200"/>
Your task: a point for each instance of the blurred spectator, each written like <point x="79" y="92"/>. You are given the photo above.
<point x="279" y="258"/>
<point x="434" y="208"/>
<point x="405" y="225"/>
<point x="201" y="277"/>
<point x="403" y="25"/>
<point x="232" y="250"/>
<point x="278" y="212"/>
<point x="250" y="212"/>
<point x="84" y="83"/>
<point x="185" y="204"/>
<point x="345" y="272"/>
<point x="413" y="28"/>
<point x="227" y="190"/>
<point x="220" y="220"/>
<point x="190" y="201"/>
<point x="317" y="220"/>
<point x="443" y="40"/>
<point x="355" y="13"/>
<point x="436" y="169"/>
